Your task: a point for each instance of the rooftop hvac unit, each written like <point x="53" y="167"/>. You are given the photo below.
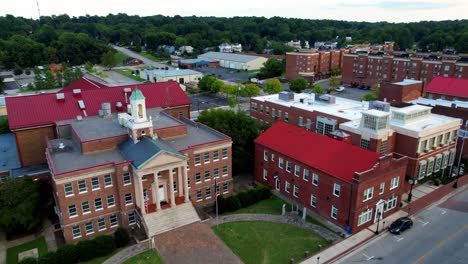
<point x="286" y="96"/>
<point x="106" y="109"/>
<point x="326" y="98"/>
<point x="60" y="96"/>
<point x="379" y="105"/>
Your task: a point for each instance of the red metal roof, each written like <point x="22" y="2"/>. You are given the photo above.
<point x="448" y="86"/>
<point x="45" y="109"/>
<point x="333" y="157"/>
<point x="83" y="84"/>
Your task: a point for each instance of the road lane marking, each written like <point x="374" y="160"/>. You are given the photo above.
<point x="400" y="239"/>
<point x="443" y="211"/>
<point x="367" y="257"/>
<point x="440" y="244"/>
<point x="424" y="223"/>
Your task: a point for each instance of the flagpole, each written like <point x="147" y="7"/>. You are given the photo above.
<point x="216" y="201"/>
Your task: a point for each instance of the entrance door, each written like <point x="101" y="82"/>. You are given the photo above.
<point x="162" y="193"/>
<point x="379" y="210"/>
<point x="277" y="184"/>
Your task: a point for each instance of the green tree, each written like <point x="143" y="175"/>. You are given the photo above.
<point x="271" y="68"/>
<point x="375" y="90"/>
<point x="18" y="70"/>
<point x="59" y="79"/>
<point x="241" y="128"/>
<point x="89" y="66"/>
<point x="317" y="89"/>
<point x="272" y="86"/>
<point x="49" y="80"/>
<point x="108" y="59"/>
<point x="333" y="82"/>
<point x="205" y="83"/>
<point x="298" y="85"/>
<point x="249" y="90"/>
<point x="39" y="80"/>
<point x="368" y="97"/>
<point x="19" y="204"/>
<point x="2" y="85"/>
<point x="216" y="86"/>
<point x="4" y="125"/>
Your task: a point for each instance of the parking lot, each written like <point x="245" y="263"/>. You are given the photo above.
<point x="229" y="75"/>
<point x="205" y="101"/>
<point x="348" y="93"/>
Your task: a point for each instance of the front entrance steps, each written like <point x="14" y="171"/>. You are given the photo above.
<point x="170" y="218"/>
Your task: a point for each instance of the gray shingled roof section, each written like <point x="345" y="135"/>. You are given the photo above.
<point x="95" y="127"/>
<point x="70" y="158"/>
<point x="8" y="155"/>
<point x="228" y="56"/>
<point x="196" y="134"/>
<point x="144" y="150"/>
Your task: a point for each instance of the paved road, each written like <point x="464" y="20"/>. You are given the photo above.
<point x="138" y="56"/>
<point x="439" y="235"/>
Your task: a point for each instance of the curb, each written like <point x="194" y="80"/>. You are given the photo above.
<point x="344" y="253"/>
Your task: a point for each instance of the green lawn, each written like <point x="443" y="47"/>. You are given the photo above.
<point x="151" y="57"/>
<point x="272" y="206"/>
<point x="128" y="73"/>
<point x="12" y="253"/>
<point x="265" y="242"/>
<point x="120" y="56"/>
<point x="100" y="260"/>
<point x="147" y="257"/>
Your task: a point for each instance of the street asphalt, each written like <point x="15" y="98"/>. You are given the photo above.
<point x="439" y="235"/>
<point x="147" y="62"/>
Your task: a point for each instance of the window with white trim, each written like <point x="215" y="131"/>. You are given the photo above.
<point x="197" y="159"/>
<point x="438" y="163"/>
<point x="297" y="170"/>
<point x="452" y="157"/>
<point x="107" y="180"/>
<point x="174" y="186"/>
<point x="68" y="187"/>
<point x="383" y="147"/>
<point x="206" y="157"/>
<point x="98" y="204"/>
<point x="128" y="199"/>
<point x="72" y="210"/>
<point x="288" y="166"/>
<point x="225" y="153"/>
<point x="382" y="188"/>
<point x="207" y="175"/>
<point x="280" y="163"/>
<point x="102" y="224"/>
<point x="394" y="182"/>
<point x="85" y="207"/>
<point x="315" y="179"/>
<point x="217" y="189"/>
<point x="422" y="169"/>
<point x="391" y="203"/>
<point x="272" y="157"/>
<point x="286" y="116"/>
<point x="430" y="166"/>
<point x="364" y="143"/>
<point x="82" y="186"/>
<point x="336" y="189"/>
<point x="368" y="193"/>
<point x="216" y="155"/>
<point x="365" y="216"/>
<point x="225" y="187"/>
<point x="113" y="221"/>
<point x="296" y="191"/>
<point x="305" y="175"/>
<point x="95" y="183"/>
<point x="199" y="196"/>
<point x="197" y="177"/>
<point x="445" y="158"/>
<point x="216" y="173"/>
<point x="313" y="200"/>
<point x="126" y="178"/>
<point x="265" y="174"/>
<point x="110" y="200"/>
<point x="89" y="227"/>
<point x="208" y="193"/>
<point x="131" y="218"/>
<point x="76" y="231"/>
<point x="225" y="171"/>
<point x="265" y="155"/>
<point x="334" y="212"/>
<point x="287" y="187"/>
<point x="300" y="121"/>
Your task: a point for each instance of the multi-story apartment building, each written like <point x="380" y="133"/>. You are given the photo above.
<point x="411" y="131"/>
<point x="367" y="69"/>
<point x="313" y="64"/>
<point x="138" y="167"/>
<point x="350" y="186"/>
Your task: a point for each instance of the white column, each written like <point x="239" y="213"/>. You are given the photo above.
<point x="171" y="186"/>
<point x="140" y="194"/>
<point x="186" y="191"/>
<point x="156" y="182"/>
<point x="180" y="184"/>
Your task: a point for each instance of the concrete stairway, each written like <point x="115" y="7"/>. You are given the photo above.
<point x="171" y="218"/>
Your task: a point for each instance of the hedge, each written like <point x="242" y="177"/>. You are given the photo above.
<point x="84" y="250"/>
<point x="243" y="199"/>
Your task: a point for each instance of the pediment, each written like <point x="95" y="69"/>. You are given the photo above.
<point x="162" y="159"/>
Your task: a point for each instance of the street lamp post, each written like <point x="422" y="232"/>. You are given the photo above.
<point x="410" y="195"/>
<point x="378" y="221"/>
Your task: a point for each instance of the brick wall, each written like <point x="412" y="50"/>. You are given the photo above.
<point x="173" y="131"/>
<point x="31" y="144"/>
<point x="102" y="144"/>
<point x="176" y="111"/>
<point x="400" y="93"/>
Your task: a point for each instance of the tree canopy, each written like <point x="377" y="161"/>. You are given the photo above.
<point x="271" y="68"/>
<point x="272" y="86"/>
<point x="298" y="85"/>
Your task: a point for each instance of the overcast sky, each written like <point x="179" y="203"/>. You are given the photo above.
<point x="364" y="10"/>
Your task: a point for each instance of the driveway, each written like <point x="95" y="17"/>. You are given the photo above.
<point x="195" y="243"/>
<point x="204" y="101"/>
<point x="229" y="75"/>
<point x="138" y="56"/>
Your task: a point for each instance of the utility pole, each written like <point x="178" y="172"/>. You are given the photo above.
<point x="38" y="9"/>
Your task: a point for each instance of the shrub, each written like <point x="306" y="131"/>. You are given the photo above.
<point x="86" y="250"/>
<point x="28" y="261"/>
<point x="104" y="245"/>
<point x="67" y="254"/>
<point x="48" y="258"/>
<point x="437" y="181"/>
<point x="121" y="237"/>
<point x="244" y="199"/>
<point x="232" y="203"/>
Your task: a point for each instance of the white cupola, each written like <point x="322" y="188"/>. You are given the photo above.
<point x="138" y="104"/>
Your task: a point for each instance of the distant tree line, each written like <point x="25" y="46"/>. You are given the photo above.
<point x="75" y="40"/>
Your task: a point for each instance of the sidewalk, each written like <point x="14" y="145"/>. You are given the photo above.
<point x="431" y="195"/>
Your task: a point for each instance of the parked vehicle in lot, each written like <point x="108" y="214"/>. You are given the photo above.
<point x="400" y="225"/>
<point x="340" y="89"/>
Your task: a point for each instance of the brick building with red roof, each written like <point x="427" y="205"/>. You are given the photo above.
<point x="447" y="88"/>
<point x="345" y="184"/>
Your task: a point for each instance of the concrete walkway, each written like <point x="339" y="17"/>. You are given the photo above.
<point x="3" y="247"/>
<point x="127" y="253"/>
<point x="290" y="219"/>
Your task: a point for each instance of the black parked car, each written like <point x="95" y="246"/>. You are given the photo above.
<point x="400" y="225"/>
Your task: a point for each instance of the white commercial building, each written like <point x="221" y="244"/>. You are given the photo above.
<point x="235" y="61"/>
<point x="180" y="76"/>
